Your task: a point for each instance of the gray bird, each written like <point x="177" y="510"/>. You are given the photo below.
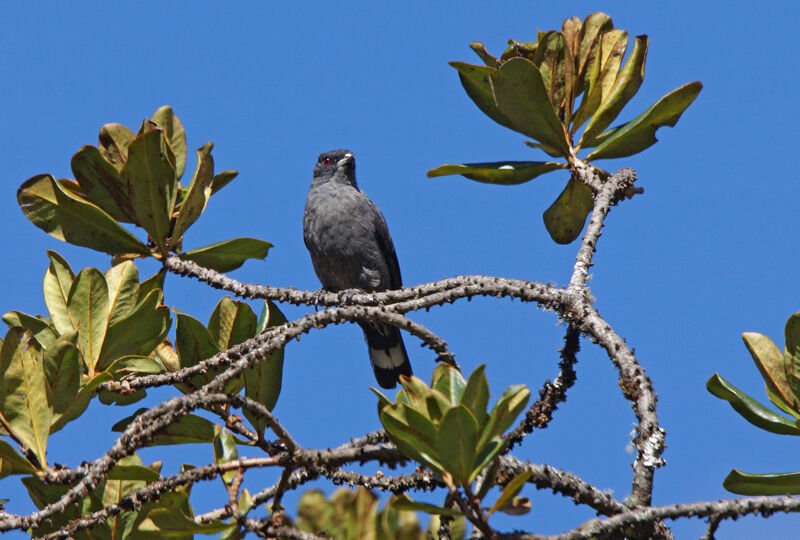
<point x="351" y="248"/>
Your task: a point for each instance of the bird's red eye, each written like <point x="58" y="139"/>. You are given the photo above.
<point x="326" y="161"/>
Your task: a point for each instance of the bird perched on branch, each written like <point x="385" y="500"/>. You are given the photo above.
<point x="351" y="248"/>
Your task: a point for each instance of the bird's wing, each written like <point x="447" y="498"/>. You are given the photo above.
<point x="384" y="240"/>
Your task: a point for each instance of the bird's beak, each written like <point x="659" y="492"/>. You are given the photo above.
<point x="348" y="158"/>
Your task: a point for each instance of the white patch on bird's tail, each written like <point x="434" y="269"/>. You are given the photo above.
<point x="388" y="358"/>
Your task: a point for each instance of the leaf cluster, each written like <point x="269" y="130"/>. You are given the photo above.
<point x="781" y="373"/>
<point x="534" y="88"/>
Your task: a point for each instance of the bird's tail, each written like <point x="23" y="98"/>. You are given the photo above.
<point x="387" y="353"/>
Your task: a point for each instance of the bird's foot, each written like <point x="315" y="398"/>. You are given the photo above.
<point x="318" y="297"/>
<point x="346" y="295"/>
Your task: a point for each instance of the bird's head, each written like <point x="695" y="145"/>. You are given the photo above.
<point x="336" y="165"/>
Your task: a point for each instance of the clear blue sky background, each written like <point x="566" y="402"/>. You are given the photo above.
<point x="709" y="251"/>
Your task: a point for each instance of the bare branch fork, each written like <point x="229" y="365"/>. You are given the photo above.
<point x="573" y="306"/>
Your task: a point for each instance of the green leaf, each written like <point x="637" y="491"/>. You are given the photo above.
<point x="24" y="400"/>
<point x="166" y="120"/>
<point x="476" y="82"/>
<point x="156" y="281"/>
<point x="521" y="95"/>
<point x="403" y="502"/>
<point x="225" y="451"/>
<point x="57" y="283"/>
<point x="447" y="380"/>
<point x="552" y="59"/>
<point x="137" y="334"/>
<point x="792" y="361"/>
<point x="123" y="290"/>
<point x="487" y="451"/>
<point x="134" y="365"/>
<point x="13" y="463"/>
<point x="150" y="172"/>
<point x="412" y="433"/>
<point x="187" y="429"/>
<point x="193" y="343"/>
<point x="132" y="471"/>
<point x="769" y="360"/>
<point x="762" y="484"/>
<point x="752" y="411"/>
<point x="41" y="330"/>
<point x="640" y="133"/>
<point x="625" y="87"/>
<point x="601" y="74"/>
<point x="480" y="50"/>
<point x="505" y="411"/>
<point x="565" y="218"/>
<point x="87" y="306"/>
<point x="114" y="141"/>
<point x="199" y="192"/>
<point x="228" y="255"/>
<point x="262" y="382"/>
<point x="231" y="323"/>
<point x="476" y="394"/>
<point x="593" y="28"/>
<point x="511" y="490"/>
<point x="102" y="184"/>
<point x="456" y="443"/>
<point x="505" y="173"/>
<point x="80" y="403"/>
<point x="66" y="217"/>
<point x="222" y="179"/>
<point x="62" y="368"/>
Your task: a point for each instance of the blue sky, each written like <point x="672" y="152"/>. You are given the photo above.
<point x="708" y="252"/>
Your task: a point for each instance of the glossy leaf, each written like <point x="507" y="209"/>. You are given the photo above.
<point x="165" y="119"/>
<point x="231" y="323"/>
<point x="593" y="28"/>
<point x="134" y="365"/>
<point x="480" y="50"/>
<point x="24" y="400"/>
<point x="114" y="140"/>
<point x="150" y="173"/>
<point x="447" y="380"/>
<point x="102" y="184"/>
<point x="137" y="334"/>
<point x="792" y="359"/>
<point x="80" y="403"/>
<point x="13" y="463"/>
<point x="193" y="343"/>
<point x="228" y="255"/>
<point x="62" y="368"/>
<point x="625" y="87"/>
<point x="565" y="218"/>
<point x="88" y="309"/>
<point x="553" y="60"/>
<point x="405" y="503"/>
<point x="505" y="411"/>
<point x="505" y="173"/>
<point x="601" y="75"/>
<point x="640" y="133"/>
<point x="186" y="430"/>
<point x="521" y="95"/>
<point x="487" y="451"/>
<point x="156" y="281"/>
<point x="122" y="281"/>
<point x="66" y="217"/>
<point x="476" y="394"/>
<point x="198" y="194"/>
<point x="222" y="179"/>
<point x="262" y="382"/>
<point x="413" y="434"/>
<point x="511" y="490"/>
<point x="456" y="443"/>
<point x="57" y="283"/>
<point x="762" y="484"/>
<point x="40" y="329"/>
<point x="769" y="360"/>
<point x="225" y="451"/>
<point x="476" y="82"/>
<point x="752" y="411"/>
